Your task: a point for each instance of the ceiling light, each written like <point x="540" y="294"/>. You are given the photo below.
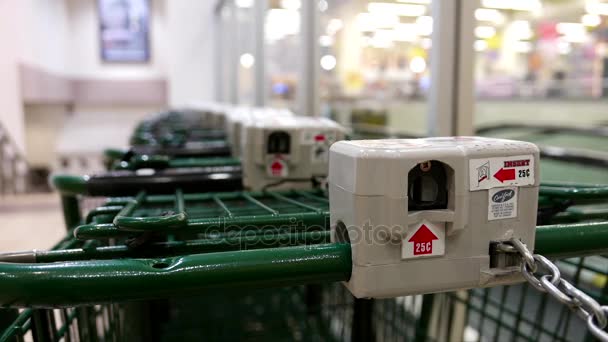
<point x="367" y="22"/>
<point x="480" y="45"/>
<point x="404" y="33"/>
<point x="485" y="32"/>
<point x="328" y="62"/>
<point x="424" y="25"/>
<point x="333" y="26"/>
<point x="491" y="15"/>
<point x="591" y="20"/>
<point x="521" y="29"/>
<point x="522" y="47"/>
<point x="382" y="39"/>
<point x="292" y="5"/>
<point x="516" y="5"/>
<point x="244" y="3"/>
<point x="572" y="32"/>
<point x="417" y="65"/>
<point x="247" y="60"/>
<point x="326" y="41"/>
<point x="595" y="7"/>
<point x="406" y="10"/>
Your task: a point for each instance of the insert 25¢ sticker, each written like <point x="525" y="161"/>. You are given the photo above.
<point x="497" y="172"/>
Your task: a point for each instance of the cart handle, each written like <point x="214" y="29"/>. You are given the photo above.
<point x="70" y="184"/>
<point x="102" y="281"/>
<point x="126" y="183"/>
<point x="114" y="153"/>
<point x="574" y="191"/>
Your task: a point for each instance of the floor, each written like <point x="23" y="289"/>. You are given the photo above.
<point x="32" y="221"/>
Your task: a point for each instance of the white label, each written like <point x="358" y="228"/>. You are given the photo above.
<point x="425" y="239"/>
<point x="309" y="137"/>
<point x="502" y="171"/>
<point x="502" y="203"/>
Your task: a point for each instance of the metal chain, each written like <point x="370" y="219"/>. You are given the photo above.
<point x="550" y="281"/>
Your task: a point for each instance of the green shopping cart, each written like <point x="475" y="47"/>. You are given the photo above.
<point x="181" y="134"/>
<point x="251" y="251"/>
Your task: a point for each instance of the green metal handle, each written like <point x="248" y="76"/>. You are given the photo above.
<point x="129" y="226"/>
<point x="86" y="282"/>
<point x="574" y="191"/>
<point x="114" y="153"/>
<point x="580" y="239"/>
<point x="230" y="242"/>
<point x="69" y="184"/>
<point x="125" y="221"/>
<point x="102" y="281"/>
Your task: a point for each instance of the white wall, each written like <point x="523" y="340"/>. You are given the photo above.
<point x="44" y="123"/>
<point x="190" y="50"/>
<point x="11" y="111"/>
<point x="84" y="55"/>
<point x="45" y="35"/>
<point x="62" y="37"/>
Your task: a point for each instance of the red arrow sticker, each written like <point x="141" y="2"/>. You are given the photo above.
<point x="425" y="239"/>
<point x="505" y="175"/>
<point x="278" y="168"/>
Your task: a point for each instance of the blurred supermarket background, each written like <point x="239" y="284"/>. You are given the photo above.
<point x="67" y="92"/>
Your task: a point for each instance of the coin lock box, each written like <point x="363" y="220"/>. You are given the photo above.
<point x="236" y="117"/>
<point x="286" y="151"/>
<point x="423" y="215"/>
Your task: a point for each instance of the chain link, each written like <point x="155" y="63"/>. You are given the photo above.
<point x="550" y="281"/>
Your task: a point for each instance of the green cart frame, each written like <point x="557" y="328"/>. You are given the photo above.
<point x="262" y="252"/>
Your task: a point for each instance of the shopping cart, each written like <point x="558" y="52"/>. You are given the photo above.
<point x="243" y="259"/>
<point x="245" y="262"/>
<point x="288" y="219"/>
<point x="172" y="134"/>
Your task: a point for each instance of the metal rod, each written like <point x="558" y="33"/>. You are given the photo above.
<point x="102" y="281"/>
<point x="248" y="240"/>
<point x="311" y="196"/>
<point x="574" y="192"/>
<point x="302" y="221"/>
<point x="124" y="221"/>
<point x="222" y="205"/>
<point x="579" y="239"/>
<point x="294" y="202"/>
<point x="71" y="211"/>
<point x="259" y="204"/>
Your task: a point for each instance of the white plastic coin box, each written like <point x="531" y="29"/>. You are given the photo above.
<point x="421" y="215"/>
<point x="236" y="117"/>
<point x="286" y="151"/>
